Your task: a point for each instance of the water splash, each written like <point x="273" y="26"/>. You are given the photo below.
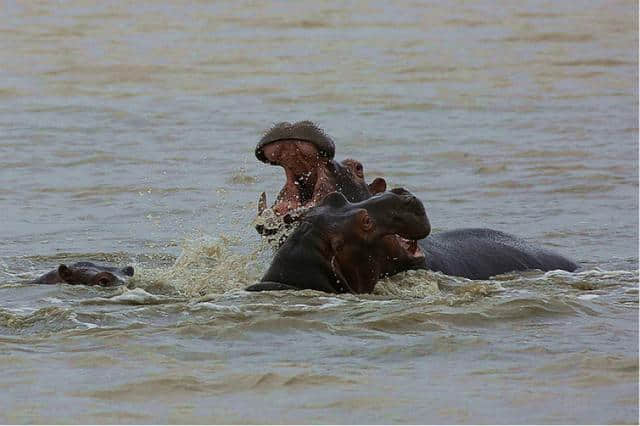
<point x="206" y="265"/>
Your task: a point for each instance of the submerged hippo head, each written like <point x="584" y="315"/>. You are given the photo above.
<point x="341" y="246"/>
<point x="306" y="152"/>
<point x="87" y="273"/>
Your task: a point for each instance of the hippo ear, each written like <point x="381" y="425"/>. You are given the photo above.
<point x="335" y="199"/>
<point x="64" y="272"/>
<point x="378" y="186"/>
<point x="366" y="222"/>
<point x="337" y="243"/>
<point x="128" y="271"/>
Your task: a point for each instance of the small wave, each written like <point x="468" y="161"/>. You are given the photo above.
<point x="49" y="319"/>
<point x="242" y="178"/>
<point x="540" y="153"/>
<point x="581" y="189"/>
<point x="593" y="63"/>
<point x="285" y="325"/>
<point x="588" y="296"/>
<point x="409" y="284"/>
<point x="583" y="280"/>
<point x="136" y="296"/>
<point x="169" y="387"/>
<point x="492" y="169"/>
<point x="551" y="38"/>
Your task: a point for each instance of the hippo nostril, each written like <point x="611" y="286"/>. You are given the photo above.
<point x="412" y="202"/>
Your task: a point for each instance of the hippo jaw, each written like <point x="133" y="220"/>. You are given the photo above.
<point x="401" y="220"/>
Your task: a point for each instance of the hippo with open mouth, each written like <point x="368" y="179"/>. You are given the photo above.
<point x="87" y="273"/>
<point x="306" y="154"/>
<point x="341" y="247"/>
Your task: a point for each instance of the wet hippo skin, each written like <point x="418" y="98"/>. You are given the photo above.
<point x="306" y="154"/>
<point x="479" y="253"/>
<point x="341" y="247"/>
<point x="87" y="273"/>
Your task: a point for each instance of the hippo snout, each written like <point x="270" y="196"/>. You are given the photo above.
<point x="415" y="205"/>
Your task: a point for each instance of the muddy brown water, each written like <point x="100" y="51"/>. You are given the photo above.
<point x="127" y="134"/>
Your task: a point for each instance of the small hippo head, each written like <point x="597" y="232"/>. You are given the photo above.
<point x="346" y="247"/>
<point x="306" y="153"/>
<point x="88" y="273"/>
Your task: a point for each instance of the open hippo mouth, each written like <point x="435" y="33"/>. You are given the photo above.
<point x="404" y="246"/>
<point x="411" y="247"/>
<point x="305" y="153"/>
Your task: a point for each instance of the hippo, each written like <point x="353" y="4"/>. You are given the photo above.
<point x="306" y="153"/>
<point x="481" y="253"/>
<point x="340" y="247"/>
<point x="87" y="273"/>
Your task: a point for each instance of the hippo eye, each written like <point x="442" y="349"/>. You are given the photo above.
<point x="104" y="281"/>
<point x="359" y="170"/>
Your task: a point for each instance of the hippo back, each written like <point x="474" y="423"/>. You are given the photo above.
<point x="478" y="253"/>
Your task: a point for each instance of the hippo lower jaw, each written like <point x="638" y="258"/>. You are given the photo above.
<point x="411" y="247"/>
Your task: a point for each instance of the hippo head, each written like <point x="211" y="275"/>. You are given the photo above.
<point x="91" y="274"/>
<point x="341" y="246"/>
<point x="306" y="153"/>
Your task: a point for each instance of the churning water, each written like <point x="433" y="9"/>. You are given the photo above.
<point x="126" y="136"/>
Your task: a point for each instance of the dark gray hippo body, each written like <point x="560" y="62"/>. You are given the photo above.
<point x="480" y="253"/>
<point x="343" y="247"/>
<point x="87" y="273"/>
<point x="306" y="153"/>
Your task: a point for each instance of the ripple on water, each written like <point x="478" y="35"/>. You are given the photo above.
<point x="45" y="320"/>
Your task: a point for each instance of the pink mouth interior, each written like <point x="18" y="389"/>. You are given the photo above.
<point x="306" y="173"/>
<point x="410" y="246"/>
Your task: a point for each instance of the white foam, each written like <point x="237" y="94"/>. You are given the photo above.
<point x="74" y="318"/>
<point x="418" y="283"/>
<point x="588" y="296"/>
<point x="207" y="266"/>
<point x="137" y="295"/>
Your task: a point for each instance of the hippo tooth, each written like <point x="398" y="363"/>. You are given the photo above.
<point x="262" y="203"/>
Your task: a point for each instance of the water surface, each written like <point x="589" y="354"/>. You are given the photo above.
<point x="127" y="134"/>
